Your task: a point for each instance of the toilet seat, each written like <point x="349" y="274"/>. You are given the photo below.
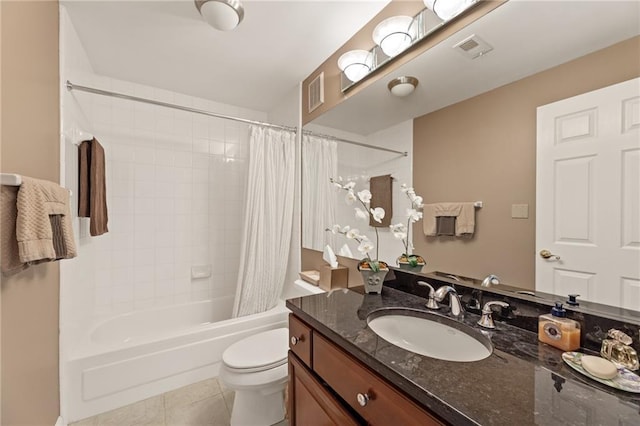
<point x="260" y="352"/>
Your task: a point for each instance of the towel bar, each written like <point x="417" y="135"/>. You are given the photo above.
<point x="12" y="179"/>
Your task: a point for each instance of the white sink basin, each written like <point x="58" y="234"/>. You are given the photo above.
<point x="430" y="334"/>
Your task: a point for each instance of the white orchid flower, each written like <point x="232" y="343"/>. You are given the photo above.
<point x="352" y="233"/>
<point x="414" y="215"/>
<point x="404" y="187"/>
<point x="399" y="231"/>
<point x="417" y="200"/>
<point x="365" y="246"/>
<point x="345" y="229"/>
<point x="350" y="197"/>
<point x="335" y="229"/>
<point x="349" y="186"/>
<point x="364" y="196"/>
<point x="378" y="214"/>
<point x="361" y="214"/>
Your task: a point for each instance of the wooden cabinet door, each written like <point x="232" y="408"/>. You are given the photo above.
<point x="310" y="404"/>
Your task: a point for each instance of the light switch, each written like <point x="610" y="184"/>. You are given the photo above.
<point x="520" y="211"/>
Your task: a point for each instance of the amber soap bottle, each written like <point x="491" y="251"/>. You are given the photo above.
<point x="557" y="330"/>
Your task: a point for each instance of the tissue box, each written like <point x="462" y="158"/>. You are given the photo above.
<point x="331" y="278"/>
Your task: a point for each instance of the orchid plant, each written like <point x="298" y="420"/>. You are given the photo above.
<point x="401" y="231"/>
<point x="365" y="246"/>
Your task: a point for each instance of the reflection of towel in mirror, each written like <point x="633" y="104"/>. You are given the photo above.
<point x="381" y="196"/>
<point x="446" y="225"/>
<point x="464" y="214"/>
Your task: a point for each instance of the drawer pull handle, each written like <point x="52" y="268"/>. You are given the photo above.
<point x="363" y="399"/>
<point x="295" y="340"/>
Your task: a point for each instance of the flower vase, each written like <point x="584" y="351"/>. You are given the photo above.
<point x="373" y="280"/>
<point x="412" y="263"/>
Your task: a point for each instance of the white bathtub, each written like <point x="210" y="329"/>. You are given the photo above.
<point x="142" y="354"/>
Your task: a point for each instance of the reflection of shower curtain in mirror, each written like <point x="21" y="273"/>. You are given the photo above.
<point x="268" y="220"/>
<point x="319" y="164"/>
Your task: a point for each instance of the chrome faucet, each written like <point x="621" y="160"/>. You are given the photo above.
<point x="454" y="300"/>
<point x="431" y="303"/>
<point x="486" y="320"/>
<point x="490" y="280"/>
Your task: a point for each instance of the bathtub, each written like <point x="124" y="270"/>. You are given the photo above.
<point x="141" y="354"/>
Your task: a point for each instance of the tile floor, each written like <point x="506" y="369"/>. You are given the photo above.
<point x="204" y="403"/>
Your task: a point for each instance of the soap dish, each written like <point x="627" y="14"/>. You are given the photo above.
<point x="626" y="379"/>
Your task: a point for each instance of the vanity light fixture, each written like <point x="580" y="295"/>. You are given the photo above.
<point x="223" y="15"/>
<point x="394" y="34"/>
<point x="447" y="9"/>
<point x="355" y="64"/>
<point x="402" y="86"/>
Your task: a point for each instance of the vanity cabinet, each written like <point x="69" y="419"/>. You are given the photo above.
<point x="331" y="387"/>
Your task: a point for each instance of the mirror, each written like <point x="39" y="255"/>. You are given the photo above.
<point x="542" y="52"/>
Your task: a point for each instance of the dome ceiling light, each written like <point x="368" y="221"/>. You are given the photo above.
<point x="447" y="9"/>
<point x="394" y="34"/>
<point x="402" y="86"/>
<point x="355" y="64"/>
<point x="223" y="15"/>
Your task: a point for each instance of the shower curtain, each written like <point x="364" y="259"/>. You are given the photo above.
<point x="319" y="164"/>
<point x="268" y="220"/>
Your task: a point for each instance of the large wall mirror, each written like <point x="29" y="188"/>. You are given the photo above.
<point x="470" y="132"/>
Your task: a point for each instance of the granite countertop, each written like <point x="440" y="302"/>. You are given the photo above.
<point x="522" y="382"/>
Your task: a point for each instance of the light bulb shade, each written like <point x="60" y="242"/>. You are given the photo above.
<point x="402" y="86"/>
<point x="223" y="15"/>
<point x="356" y="64"/>
<point x="447" y="9"/>
<point x="394" y="34"/>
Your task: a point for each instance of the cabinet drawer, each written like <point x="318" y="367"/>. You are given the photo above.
<point x="377" y="402"/>
<point x="310" y="403"/>
<point x="300" y="339"/>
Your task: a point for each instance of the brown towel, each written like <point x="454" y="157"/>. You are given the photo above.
<point x="446" y="225"/>
<point x="8" y="241"/>
<point x="463" y="212"/>
<point x="92" y="193"/>
<point x="381" y="196"/>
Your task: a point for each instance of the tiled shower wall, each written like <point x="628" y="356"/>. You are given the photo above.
<point x="175" y="183"/>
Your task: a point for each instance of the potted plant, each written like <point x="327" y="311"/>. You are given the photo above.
<point x="408" y="260"/>
<point x="373" y="270"/>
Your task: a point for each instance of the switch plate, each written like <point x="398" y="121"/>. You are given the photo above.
<point x="520" y="211"/>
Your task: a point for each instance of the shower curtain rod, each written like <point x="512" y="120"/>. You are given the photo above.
<point x="72" y="86"/>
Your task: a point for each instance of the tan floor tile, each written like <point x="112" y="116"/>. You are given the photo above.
<point x="192" y="393"/>
<point x="207" y="412"/>
<point x="149" y="412"/>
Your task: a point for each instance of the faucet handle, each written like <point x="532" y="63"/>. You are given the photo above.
<point x="486" y="320"/>
<point x="431" y="302"/>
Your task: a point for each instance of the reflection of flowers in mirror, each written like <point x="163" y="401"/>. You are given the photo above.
<point x="401" y="231"/>
<point x="364" y="212"/>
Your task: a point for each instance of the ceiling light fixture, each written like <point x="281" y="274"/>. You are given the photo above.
<point x="447" y="9"/>
<point x="394" y="34"/>
<point x="355" y="64"/>
<point x="403" y="86"/>
<point x="223" y="15"/>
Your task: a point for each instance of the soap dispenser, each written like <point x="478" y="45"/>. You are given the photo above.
<point x="557" y="330"/>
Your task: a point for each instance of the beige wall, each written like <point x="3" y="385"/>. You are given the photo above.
<point x="30" y="146"/>
<point x="484" y="149"/>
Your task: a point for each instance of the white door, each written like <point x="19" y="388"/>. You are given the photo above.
<point x="588" y="196"/>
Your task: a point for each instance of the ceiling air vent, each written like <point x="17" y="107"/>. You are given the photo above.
<point x="473" y="47"/>
<point x="316" y="92"/>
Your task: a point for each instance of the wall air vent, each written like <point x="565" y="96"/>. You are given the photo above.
<point x="473" y="47"/>
<point x="316" y="92"/>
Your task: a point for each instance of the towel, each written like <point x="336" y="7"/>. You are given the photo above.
<point x="92" y="192"/>
<point x="8" y="241"/>
<point x="381" y="196"/>
<point x="463" y="212"/>
<point x="36" y="225"/>
<point x="445" y="225"/>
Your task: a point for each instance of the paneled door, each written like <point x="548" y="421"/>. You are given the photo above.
<point x="588" y="196"/>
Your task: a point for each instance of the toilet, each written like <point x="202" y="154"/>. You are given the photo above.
<point x="256" y="369"/>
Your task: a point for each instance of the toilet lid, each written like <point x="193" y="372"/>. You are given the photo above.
<point x="263" y="350"/>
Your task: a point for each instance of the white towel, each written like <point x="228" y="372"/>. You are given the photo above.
<point x="464" y="213"/>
